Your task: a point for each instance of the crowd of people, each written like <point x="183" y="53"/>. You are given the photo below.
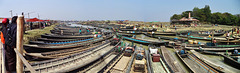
<point x="8" y="39"/>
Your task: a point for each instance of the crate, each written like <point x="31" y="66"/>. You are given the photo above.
<point x="156" y="58"/>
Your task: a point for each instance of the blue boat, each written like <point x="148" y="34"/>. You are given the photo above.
<point x="146" y="42"/>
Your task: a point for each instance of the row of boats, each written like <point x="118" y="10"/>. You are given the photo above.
<point x="101" y="51"/>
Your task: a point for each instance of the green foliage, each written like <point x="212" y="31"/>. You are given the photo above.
<point x="204" y="15"/>
<point x="175" y="16"/>
<point x="185" y="13"/>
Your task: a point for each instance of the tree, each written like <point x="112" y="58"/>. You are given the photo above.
<point x="207" y="13"/>
<point x="175" y="16"/>
<point x="216" y="18"/>
<point x="185" y="14"/>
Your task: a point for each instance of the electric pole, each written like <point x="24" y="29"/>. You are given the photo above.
<point x="38" y="16"/>
<point x="11" y="12"/>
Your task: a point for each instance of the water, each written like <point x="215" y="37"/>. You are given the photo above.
<point x="87" y="26"/>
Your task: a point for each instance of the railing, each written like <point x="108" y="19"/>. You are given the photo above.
<point x="32" y="70"/>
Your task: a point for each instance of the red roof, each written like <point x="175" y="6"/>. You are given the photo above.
<point x="35" y="20"/>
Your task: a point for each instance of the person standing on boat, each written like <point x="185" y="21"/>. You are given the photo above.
<point x="87" y="30"/>
<point x="80" y="30"/>
<point x="215" y="42"/>
<point x="10" y="44"/>
<point x="227" y="35"/>
<point x="238" y="31"/>
<point x="175" y="27"/>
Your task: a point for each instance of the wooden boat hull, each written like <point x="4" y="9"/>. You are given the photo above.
<point x="77" y="60"/>
<point x="145" y="42"/>
<point x="194" y="64"/>
<point x="156" y="67"/>
<point x="212" y="49"/>
<point x="63" y="42"/>
<point x="164" y="38"/>
<point x="46" y="48"/>
<point x="170" y="61"/>
<point x="65" y="37"/>
<point x="56" y="40"/>
<point x="58" y="53"/>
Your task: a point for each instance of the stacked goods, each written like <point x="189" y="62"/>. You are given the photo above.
<point x="139" y="65"/>
<point x="195" y="42"/>
<point x="190" y="41"/>
<point x="156" y="57"/>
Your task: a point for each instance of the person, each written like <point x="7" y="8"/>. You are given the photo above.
<point x="80" y="30"/>
<point x="175" y="28"/>
<point x="5" y="22"/>
<point x="31" y="25"/>
<point x="161" y="25"/>
<point x="228" y="34"/>
<point x="215" y="42"/>
<point x="87" y="30"/>
<point x="238" y="32"/>
<point x="10" y="44"/>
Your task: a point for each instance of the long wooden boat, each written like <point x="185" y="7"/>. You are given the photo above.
<point x="57" y="40"/>
<point x="229" y="42"/>
<point x="139" y="63"/>
<point x="146" y="42"/>
<point x="231" y="61"/>
<point x="46" y="48"/>
<point x="122" y="64"/>
<point x="215" y="34"/>
<point x="62" y="42"/>
<point x="58" y="53"/>
<point x="216" y="64"/>
<point x="171" y="61"/>
<point x="165" y="33"/>
<point x="155" y="61"/>
<point x="193" y="63"/>
<point x="212" y="49"/>
<point x="52" y="36"/>
<point x="230" y="53"/>
<point x="130" y="32"/>
<point x="205" y="38"/>
<point x="165" y="38"/>
<point x="142" y="30"/>
<point x="74" y="61"/>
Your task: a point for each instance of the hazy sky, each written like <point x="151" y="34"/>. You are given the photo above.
<point x="139" y="10"/>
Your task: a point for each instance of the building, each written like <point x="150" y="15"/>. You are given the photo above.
<point x="188" y="21"/>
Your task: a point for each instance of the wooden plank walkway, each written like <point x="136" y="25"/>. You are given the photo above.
<point x="171" y="61"/>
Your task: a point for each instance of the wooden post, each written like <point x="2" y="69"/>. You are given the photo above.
<point x="3" y="59"/>
<point x="20" y="22"/>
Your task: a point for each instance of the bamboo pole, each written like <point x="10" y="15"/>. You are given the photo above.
<point x="19" y="42"/>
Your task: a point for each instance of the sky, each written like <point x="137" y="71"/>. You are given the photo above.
<point x="134" y="10"/>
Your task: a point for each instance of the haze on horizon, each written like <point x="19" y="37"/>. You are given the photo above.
<point x="134" y="10"/>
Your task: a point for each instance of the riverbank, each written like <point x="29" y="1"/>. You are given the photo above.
<point x="36" y="33"/>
